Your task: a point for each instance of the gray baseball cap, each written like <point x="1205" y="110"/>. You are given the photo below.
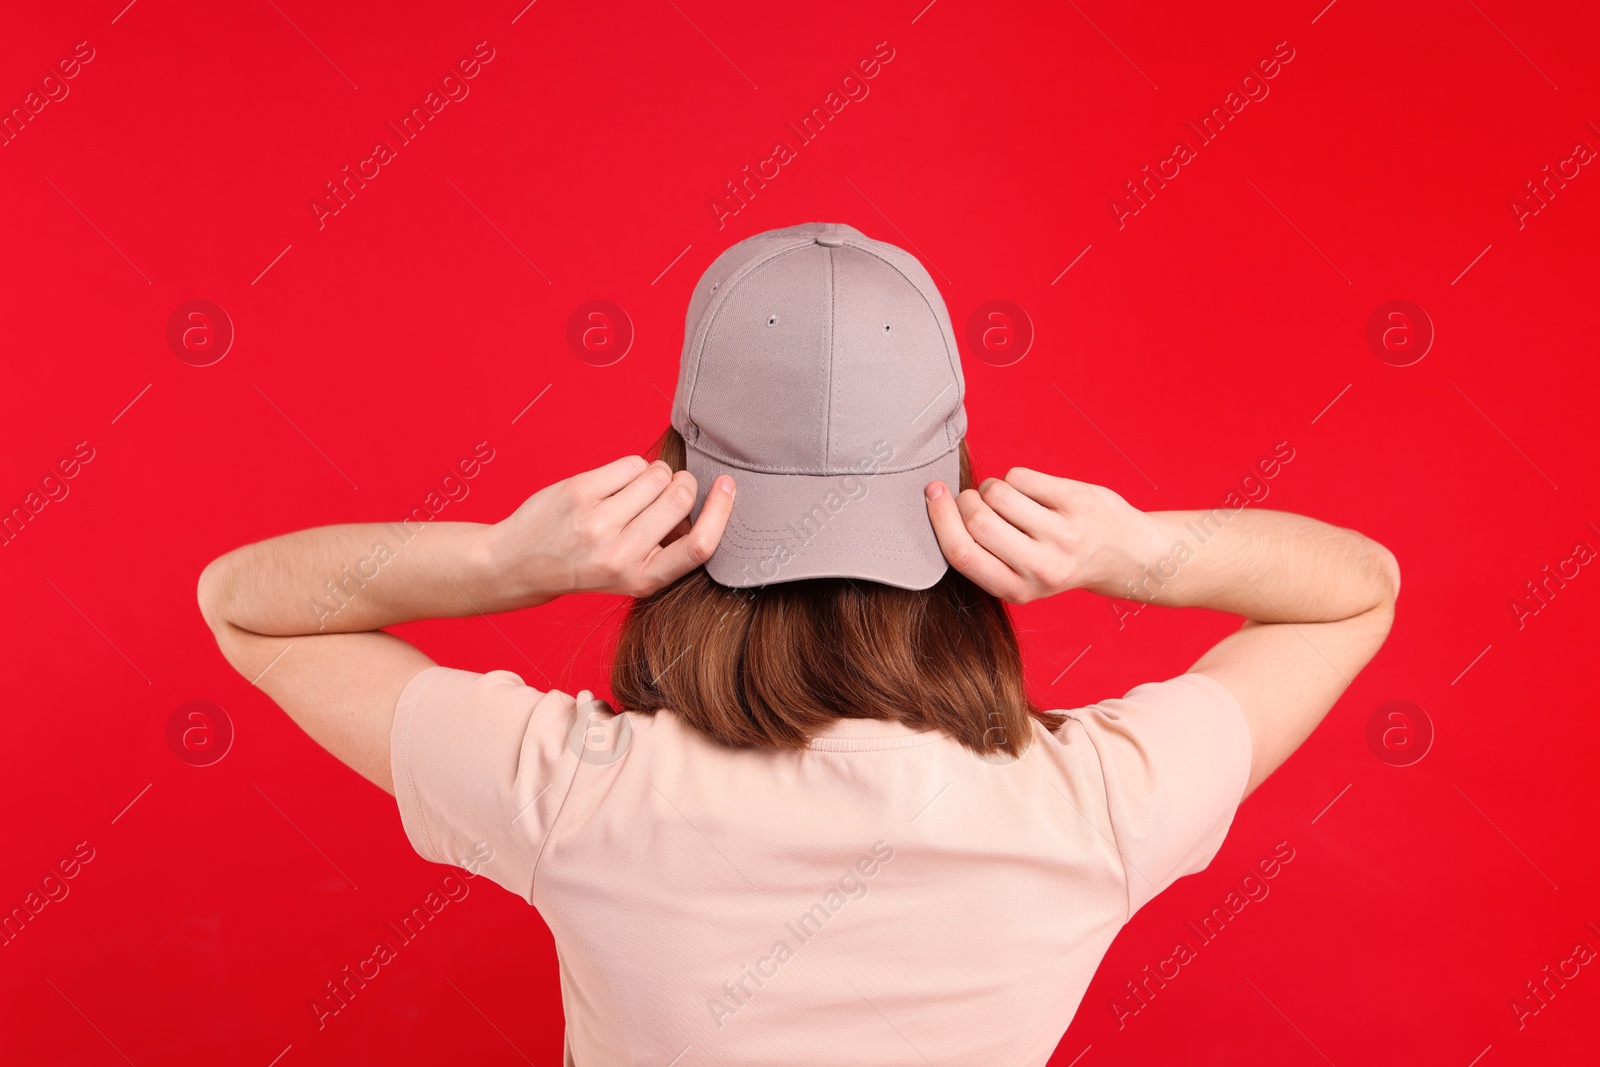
<point x="820" y="370"/>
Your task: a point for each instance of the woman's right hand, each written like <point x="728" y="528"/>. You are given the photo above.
<point x="1031" y="535"/>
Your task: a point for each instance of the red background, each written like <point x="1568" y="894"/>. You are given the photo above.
<point x="1178" y="350"/>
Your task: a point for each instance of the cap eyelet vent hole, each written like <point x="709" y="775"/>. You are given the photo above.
<point x="886" y="327"/>
<point x="772" y="320"/>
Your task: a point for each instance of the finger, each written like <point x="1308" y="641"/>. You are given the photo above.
<point x="1057" y="494"/>
<point x="1019" y="509"/>
<point x="696" y="546"/>
<point x="650" y="526"/>
<point x="1003" y="541"/>
<point x="624" y="505"/>
<point x="603" y="481"/>
<point x="963" y="552"/>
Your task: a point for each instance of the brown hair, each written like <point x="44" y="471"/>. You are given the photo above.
<point x="770" y="666"/>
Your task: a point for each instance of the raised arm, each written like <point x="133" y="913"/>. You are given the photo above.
<point x="1318" y="599"/>
<point x="301" y="616"/>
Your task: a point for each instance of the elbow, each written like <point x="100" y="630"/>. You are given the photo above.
<point x="1390" y="567"/>
<point x="208" y="594"/>
<point x="1386" y="576"/>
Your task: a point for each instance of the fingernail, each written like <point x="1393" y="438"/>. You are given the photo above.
<point x="935" y="490"/>
<point x="725" y="483"/>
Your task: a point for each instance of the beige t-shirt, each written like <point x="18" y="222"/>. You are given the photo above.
<point x="885" y="897"/>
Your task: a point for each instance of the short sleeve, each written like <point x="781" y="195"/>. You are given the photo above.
<point x="1175" y="757"/>
<point x="482" y="765"/>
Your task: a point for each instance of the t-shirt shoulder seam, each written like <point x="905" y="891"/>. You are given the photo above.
<point x="405" y="752"/>
<point x="1105" y="789"/>
<point x="555" y="820"/>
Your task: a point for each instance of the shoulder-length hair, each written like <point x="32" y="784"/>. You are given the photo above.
<point x="771" y="666"/>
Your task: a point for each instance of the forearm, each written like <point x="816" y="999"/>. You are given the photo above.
<point x="1270" y="566"/>
<point x="356" y="577"/>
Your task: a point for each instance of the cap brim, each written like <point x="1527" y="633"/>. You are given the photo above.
<point x="784" y="527"/>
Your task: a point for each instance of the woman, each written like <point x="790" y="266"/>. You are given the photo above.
<point x="829" y="826"/>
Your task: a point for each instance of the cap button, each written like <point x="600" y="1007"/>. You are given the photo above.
<point x="830" y="240"/>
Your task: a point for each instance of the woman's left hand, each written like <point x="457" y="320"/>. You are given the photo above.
<point x="621" y="528"/>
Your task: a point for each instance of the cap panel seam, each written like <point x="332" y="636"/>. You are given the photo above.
<point x="830" y="353"/>
<point x="713" y="309"/>
<point x="951" y="357"/>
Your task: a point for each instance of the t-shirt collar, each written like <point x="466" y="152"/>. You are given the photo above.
<point x="844" y="734"/>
